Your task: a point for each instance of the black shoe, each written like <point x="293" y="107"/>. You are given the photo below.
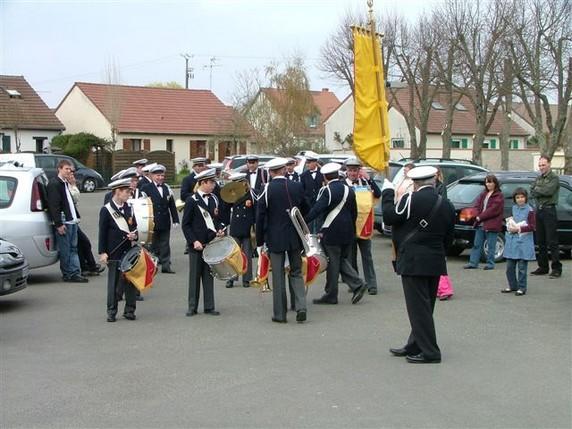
<point x="76" y="279"/>
<point x="94" y="271"/>
<point x="372" y="291"/>
<point x="555" y="274"/>
<point x="301" y="316"/>
<point x="229" y="284"/>
<point x="245" y="284"/>
<point x="212" y="312"/>
<point x="358" y="294"/>
<point x="168" y="271"/>
<point x="508" y="290"/>
<point x="129" y="316"/>
<point x="420" y="358"/>
<point x="489" y="267"/>
<point x="538" y="272"/>
<point x="140" y="298"/>
<point x="324" y="300"/>
<point x="274" y="319"/>
<point x="470" y="267"/>
<point x="186" y="252"/>
<point x="399" y="352"/>
<point x="191" y="313"/>
<point x="520" y="292"/>
<point x="111" y="319"/>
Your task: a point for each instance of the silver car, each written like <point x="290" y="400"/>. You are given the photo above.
<point x="23" y="217"/>
<point x="14" y="269"/>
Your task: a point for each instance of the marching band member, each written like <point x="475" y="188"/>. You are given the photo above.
<point x="145" y="179"/>
<point x="312" y="181"/>
<point x="290" y="173"/>
<point x="139" y="164"/>
<point x="337" y="201"/>
<point x="117" y="231"/>
<point x="188" y="184"/>
<point x="201" y="225"/>
<point x="242" y="219"/>
<point x="129" y="173"/>
<point x="405" y="185"/>
<point x="356" y="179"/>
<point x="257" y="177"/>
<point x="275" y="228"/>
<point x="164" y="211"/>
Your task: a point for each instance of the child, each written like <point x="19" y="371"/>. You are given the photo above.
<point x="519" y="244"/>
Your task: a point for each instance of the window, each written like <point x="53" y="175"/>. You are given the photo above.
<point x="13" y="93"/>
<point x="460" y="107"/>
<point x="508" y="188"/>
<point x="565" y="199"/>
<point x="457" y="143"/>
<point x="46" y="162"/>
<point x="169" y="145"/>
<point x="437" y="106"/>
<point x="397" y="143"/>
<point x="136" y="145"/>
<point x="513" y="144"/>
<point x="6" y="146"/>
<point x="313" y="121"/>
<point x="7" y="191"/>
<point x="40" y="144"/>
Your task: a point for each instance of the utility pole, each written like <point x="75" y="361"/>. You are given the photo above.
<point x="188" y="70"/>
<point x="212" y="65"/>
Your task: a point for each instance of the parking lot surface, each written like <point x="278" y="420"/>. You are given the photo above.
<point x="506" y="359"/>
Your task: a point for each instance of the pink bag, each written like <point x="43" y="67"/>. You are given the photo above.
<point x="445" y="289"/>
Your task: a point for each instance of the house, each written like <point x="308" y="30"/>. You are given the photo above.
<point x="313" y="136"/>
<point x="463" y="131"/>
<point x="188" y="122"/>
<point x="27" y="124"/>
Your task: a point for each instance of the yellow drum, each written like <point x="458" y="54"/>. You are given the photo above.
<point x="139" y="267"/>
<point x="225" y="259"/>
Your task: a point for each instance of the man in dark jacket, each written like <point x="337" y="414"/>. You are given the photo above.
<point x="189" y="182"/>
<point x="65" y="218"/>
<point x="201" y="225"/>
<point x="338" y="203"/>
<point x="164" y="210"/>
<point x="257" y="177"/>
<point x="421" y="233"/>
<point x="275" y="228"/>
<point x="545" y="190"/>
<point x="117" y="231"/>
<point x="290" y="173"/>
<point x="312" y="180"/>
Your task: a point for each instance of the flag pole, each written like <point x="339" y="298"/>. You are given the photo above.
<point x="376" y="60"/>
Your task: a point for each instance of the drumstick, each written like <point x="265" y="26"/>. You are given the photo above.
<point x="121" y="243"/>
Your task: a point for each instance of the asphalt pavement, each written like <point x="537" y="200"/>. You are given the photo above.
<point x="506" y="359"/>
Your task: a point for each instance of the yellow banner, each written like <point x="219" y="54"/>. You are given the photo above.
<point x="371" y="125"/>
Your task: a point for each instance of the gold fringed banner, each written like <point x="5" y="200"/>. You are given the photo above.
<point x="371" y="125"/>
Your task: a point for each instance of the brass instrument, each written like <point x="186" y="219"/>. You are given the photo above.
<point x="234" y="191"/>
<point x="179" y="204"/>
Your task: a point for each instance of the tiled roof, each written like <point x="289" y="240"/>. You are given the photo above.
<point x="28" y="111"/>
<point x="520" y="109"/>
<point x="463" y="120"/>
<point x="163" y="110"/>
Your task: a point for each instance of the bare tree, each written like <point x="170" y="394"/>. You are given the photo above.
<point x="113" y="97"/>
<point x="541" y="48"/>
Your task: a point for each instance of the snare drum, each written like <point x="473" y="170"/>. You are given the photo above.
<point x="139" y="267"/>
<point x="225" y="258"/>
<point x="143" y="212"/>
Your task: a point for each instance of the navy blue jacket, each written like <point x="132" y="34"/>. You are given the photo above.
<point x="273" y="224"/>
<point x="164" y="208"/>
<point x="242" y="216"/>
<point x="293" y="176"/>
<point x="111" y="238"/>
<point x="311" y="186"/>
<point x="193" y="224"/>
<point x="342" y="230"/>
<point x="188" y="185"/>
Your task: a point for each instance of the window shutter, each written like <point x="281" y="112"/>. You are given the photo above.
<point x="514" y="144"/>
<point x="464" y="143"/>
<point x="127" y="144"/>
<point x="146" y="145"/>
<point x="6" y="147"/>
<point x="493" y="144"/>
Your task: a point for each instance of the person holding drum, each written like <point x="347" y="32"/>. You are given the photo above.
<point x="275" y="228"/>
<point x="366" y="191"/>
<point x="164" y="211"/>
<point x="117" y="232"/>
<point x="129" y="173"/>
<point x="201" y="225"/>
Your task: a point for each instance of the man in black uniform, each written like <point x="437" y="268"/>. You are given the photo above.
<point x="242" y="216"/>
<point x="275" y="228"/>
<point x="117" y="228"/>
<point x="145" y="178"/>
<point x="201" y="225"/>
<point x="421" y="232"/>
<point x="290" y="173"/>
<point x="338" y="203"/>
<point x="189" y="182"/>
<point x="164" y="211"/>
<point x="139" y="165"/>
<point x="256" y="177"/>
<point x="312" y="180"/>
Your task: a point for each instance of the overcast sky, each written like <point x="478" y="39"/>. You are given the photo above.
<point x="56" y="43"/>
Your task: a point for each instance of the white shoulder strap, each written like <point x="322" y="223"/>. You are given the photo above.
<point x="206" y="215"/>
<point x="119" y="220"/>
<point x="336" y="211"/>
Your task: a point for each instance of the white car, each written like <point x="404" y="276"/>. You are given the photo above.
<point x="24" y="220"/>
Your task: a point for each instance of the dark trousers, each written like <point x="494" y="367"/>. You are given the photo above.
<point x="116" y="286"/>
<point x="199" y="272"/>
<point x="547" y="238"/>
<point x="161" y="248"/>
<point x="366" y="262"/>
<point x="339" y="262"/>
<point x="86" y="259"/>
<point x="420" y="295"/>
<point x="279" y="282"/>
<point x="246" y="247"/>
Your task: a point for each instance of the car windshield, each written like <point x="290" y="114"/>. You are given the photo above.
<point x="464" y="192"/>
<point x="7" y="191"/>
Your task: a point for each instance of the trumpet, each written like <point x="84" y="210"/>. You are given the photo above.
<point x="179" y="204"/>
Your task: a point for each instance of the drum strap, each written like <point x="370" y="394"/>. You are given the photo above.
<point x="206" y="216"/>
<point x="336" y="211"/>
<point x="118" y="218"/>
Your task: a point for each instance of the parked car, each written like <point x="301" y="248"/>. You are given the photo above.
<point x="452" y="169"/>
<point x="236" y="161"/>
<point x="322" y="159"/>
<point x="463" y="195"/>
<point x="25" y="221"/>
<point x="14" y="268"/>
<point x="88" y="180"/>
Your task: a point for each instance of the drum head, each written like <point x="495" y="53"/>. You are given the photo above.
<point x="130" y="259"/>
<point x="219" y="249"/>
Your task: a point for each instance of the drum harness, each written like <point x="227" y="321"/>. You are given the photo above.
<point x="120" y="222"/>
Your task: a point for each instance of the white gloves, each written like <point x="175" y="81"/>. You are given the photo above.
<point x="175" y="225"/>
<point x="387" y="185"/>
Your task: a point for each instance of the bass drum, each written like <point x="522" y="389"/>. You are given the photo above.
<point x="224" y="258"/>
<point x="143" y="212"/>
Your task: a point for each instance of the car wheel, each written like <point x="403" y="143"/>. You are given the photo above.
<point x="455" y="250"/>
<point x="89" y="185"/>
<point x="499" y="249"/>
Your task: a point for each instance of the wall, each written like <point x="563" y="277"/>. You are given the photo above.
<point x="26" y="137"/>
<point x="341" y="121"/>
